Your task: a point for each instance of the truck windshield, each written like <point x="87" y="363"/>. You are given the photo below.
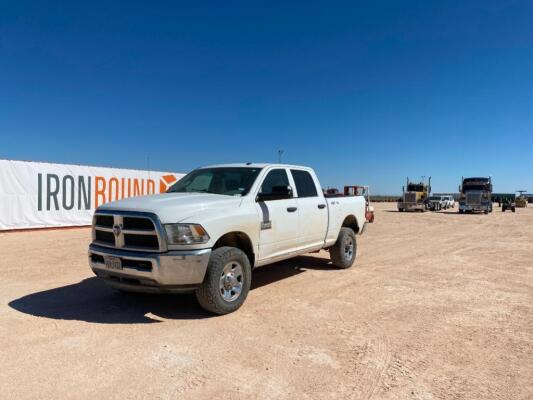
<point x="415" y="188"/>
<point x="466" y="188"/>
<point x="228" y="181"/>
<point x="435" y="198"/>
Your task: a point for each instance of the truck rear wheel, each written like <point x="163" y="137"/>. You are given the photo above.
<point x="226" y="282"/>
<point x="344" y="250"/>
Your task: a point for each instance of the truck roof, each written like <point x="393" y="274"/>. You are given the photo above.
<point x="255" y="165"/>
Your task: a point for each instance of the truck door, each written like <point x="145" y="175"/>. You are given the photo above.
<point x="279" y="215"/>
<point x="313" y="212"/>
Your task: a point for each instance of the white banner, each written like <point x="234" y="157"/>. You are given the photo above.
<point x="39" y="195"/>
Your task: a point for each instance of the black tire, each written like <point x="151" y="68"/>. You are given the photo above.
<point x="461" y="211"/>
<point x="338" y="253"/>
<point x="209" y="294"/>
<point x="400" y="209"/>
<point x="513" y="209"/>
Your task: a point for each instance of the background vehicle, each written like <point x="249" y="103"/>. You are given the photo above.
<point x="437" y="203"/>
<point x="521" y="199"/>
<point x="450" y="201"/>
<point x="212" y="227"/>
<point x="415" y="196"/>
<point x="475" y="195"/>
<point x="508" y="204"/>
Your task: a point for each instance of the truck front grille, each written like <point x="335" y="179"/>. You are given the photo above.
<point x="410" y="197"/>
<point x="105" y="237"/>
<point x="138" y="223"/>
<point x="473" y="199"/>
<point x="105" y="221"/>
<point x="128" y="231"/>
<point x="141" y="241"/>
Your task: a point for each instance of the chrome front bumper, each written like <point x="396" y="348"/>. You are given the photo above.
<point x="172" y="271"/>
<point x="474" y="207"/>
<point x="411" y="206"/>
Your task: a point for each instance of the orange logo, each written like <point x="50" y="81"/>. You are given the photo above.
<point x="166" y="182"/>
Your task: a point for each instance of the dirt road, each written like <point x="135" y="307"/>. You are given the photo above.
<point x="438" y="306"/>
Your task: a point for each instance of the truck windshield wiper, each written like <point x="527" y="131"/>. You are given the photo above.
<point x="191" y="191"/>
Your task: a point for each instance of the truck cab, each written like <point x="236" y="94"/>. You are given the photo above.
<point x="475" y="195"/>
<point x="415" y="196"/>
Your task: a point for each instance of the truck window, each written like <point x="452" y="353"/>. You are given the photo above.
<point x="229" y="181"/>
<point x="201" y="183"/>
<point x="415" y="188"/>
<point x="474" y="187"/>
<point x="304" y="183"/>
<point x="276" y="177"/>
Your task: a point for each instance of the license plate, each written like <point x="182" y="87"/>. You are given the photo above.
<point x="113" y="263"/>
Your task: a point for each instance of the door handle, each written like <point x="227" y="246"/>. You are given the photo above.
<point x="321" y="206"/>
<point x="292" y="209"/>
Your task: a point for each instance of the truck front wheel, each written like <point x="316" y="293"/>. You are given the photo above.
<point x="226" y="282"/>
<point x="343" y="252"/>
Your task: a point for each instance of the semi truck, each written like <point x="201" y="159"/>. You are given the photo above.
<point x="415" y="196"/>
<point x="475" y="195"/>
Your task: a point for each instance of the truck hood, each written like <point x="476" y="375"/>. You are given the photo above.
<point x="174" y="207"/>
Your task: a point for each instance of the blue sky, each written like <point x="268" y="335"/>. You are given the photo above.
<point x="365" y="92"/>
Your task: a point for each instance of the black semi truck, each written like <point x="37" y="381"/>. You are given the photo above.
<point x="475" y="195"/>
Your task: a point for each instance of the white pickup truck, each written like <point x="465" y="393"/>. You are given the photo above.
<point x="212" y="227"/>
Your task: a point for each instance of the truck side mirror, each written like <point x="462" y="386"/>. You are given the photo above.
<point x="278" y="193"/>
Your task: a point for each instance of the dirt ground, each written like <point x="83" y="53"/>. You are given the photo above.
<point x="437" y="306"/>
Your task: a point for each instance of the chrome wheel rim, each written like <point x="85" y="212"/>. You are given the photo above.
<point x="231" y="281"/>
<point x="348" y="248"/>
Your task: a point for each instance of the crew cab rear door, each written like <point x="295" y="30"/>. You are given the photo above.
<point x="313" y="211"/>
<point x="279" y="216"/>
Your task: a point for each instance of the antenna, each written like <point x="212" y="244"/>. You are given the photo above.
<point x="280" y="153"/>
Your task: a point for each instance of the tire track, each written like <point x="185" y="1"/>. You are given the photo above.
<point x="384" y="356"/>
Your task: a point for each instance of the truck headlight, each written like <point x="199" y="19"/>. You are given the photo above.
<point x="186" y="234"/>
